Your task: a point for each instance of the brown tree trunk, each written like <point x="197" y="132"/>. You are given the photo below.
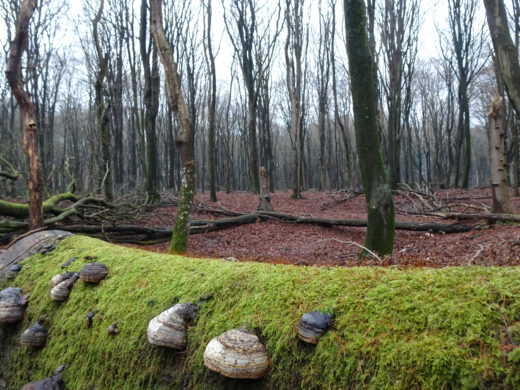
<point x="30" y="138"/>
<point x="184" y="140"/>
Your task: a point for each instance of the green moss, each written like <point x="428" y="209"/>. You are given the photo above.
<point x="394" y="329"/>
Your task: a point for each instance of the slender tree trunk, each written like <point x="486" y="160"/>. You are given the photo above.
<point x="212" y="100"/>
<point x="380" y="208"/>
<point x="30" y="139"/>
<point x="179" y="243"/>
<point x="151" y="106"/>
<point x="102" y="109"/>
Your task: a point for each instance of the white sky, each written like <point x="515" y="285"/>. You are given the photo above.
<point x="434" y="14"/>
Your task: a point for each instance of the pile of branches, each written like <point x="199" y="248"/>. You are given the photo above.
<point x="67" y="208"/>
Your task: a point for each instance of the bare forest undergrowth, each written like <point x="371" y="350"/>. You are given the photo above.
<point x="279" y="242"/>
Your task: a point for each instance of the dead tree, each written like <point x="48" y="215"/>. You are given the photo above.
<point x="30" y="139"/>
<point x="184" y="140"/>
<point x="265" y="196"/>
<point x="497" y="156"/>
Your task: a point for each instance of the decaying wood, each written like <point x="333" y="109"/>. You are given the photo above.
<point x="487" y="216"/>
<point x="30" y="138"/>
<point x="497" y="156"/>
<point x="265" y="196"/>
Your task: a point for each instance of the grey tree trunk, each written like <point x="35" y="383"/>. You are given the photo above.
<point x="497" y="156"/>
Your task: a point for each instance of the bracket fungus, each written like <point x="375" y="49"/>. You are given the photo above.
<point x="53" y="383"/>
<point x="12" y="305"/>
<point x="237" y="354"/>
<point x="313" y="325"/>
<point x="34" y="336"/>
<point x="57" y="279"/>
<point x="61" y="291"/>
<point x="169" y="329"/>
<point x="93" y="272"/>
<point x="12" y="271"/>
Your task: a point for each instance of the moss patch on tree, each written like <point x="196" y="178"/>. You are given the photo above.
<point x="394" y="329"/>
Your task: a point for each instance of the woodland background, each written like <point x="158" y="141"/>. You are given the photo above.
<point x="272" y="57"/>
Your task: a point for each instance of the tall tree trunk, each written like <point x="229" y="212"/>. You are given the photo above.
<point x="184" y="140"/>
<point x="380" y="208"/>
<point x="102" y="109"/>
<point x="151" y="103"/>
<point x="212" y="100"/>
<point x="30" y="139"/>
<point x="293" y="60"/>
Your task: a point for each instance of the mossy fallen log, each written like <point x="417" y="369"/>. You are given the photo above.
<point x="393" y="329"/>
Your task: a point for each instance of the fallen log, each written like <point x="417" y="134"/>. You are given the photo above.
<point x="145" y="234"/>
<point x="491" y="217"/>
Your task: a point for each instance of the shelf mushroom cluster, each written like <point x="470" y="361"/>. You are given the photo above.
<point x="236" y="353"/>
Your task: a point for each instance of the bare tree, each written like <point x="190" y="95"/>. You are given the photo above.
<point x="102" y="107"/>
<point x="184" y="141"/>
<point x="323" y="65"/>
<point x="466" y="59"/>
<point x="400" y="29"/>
<point x="212" y="101"/>
<point x="13" y="75"/>
<point x="294" y="50"/>
<point x="151" y="104"/>
<point x="254" y="44"/>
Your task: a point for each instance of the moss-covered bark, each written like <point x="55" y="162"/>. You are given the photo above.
<point x="10" y="209"/>
<point x="381" y="220"/>
<point x="181" y="229"/>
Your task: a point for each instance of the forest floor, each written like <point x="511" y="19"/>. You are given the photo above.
<point x="277" y="242"/>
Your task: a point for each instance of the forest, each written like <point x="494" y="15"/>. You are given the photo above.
<point x="266" y="85"/>
<point x="327" y="191"/>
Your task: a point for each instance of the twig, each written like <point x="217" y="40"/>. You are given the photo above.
<point x="18" y="238"/>
<point x="350" y="243"/>
<point x="477" y="254"/>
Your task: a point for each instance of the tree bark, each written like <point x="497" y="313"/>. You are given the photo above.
<point x="265" y="196"/>
<point x="380" y="207"/>
<point x="184" y="140"/>
<point x="497" y="156"/>
<point x="30" y="139"/>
